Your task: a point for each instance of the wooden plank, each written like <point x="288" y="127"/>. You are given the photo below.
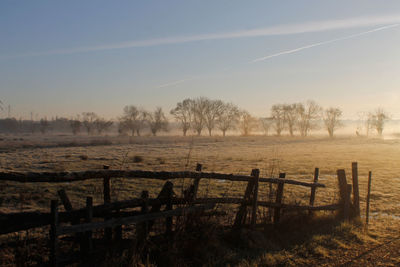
<point x="368" y="198"/>
<point x="61" y="177"/>
<point x="255" y="173"/>
<point x="279" y="197"/>
<point x="356" y="194"/>
<point x="132" y="220"/>
<point x="54" y="227"/>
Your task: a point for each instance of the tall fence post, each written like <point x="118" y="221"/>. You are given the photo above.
<point x="256" y="174"/>
<point x="313" y="189"/>
<point x="54" y="234"/>
<point x="356" y="193"/>
<point x="168" y="220"/>
<point x="368" y="198"/>
<point x="279" y="197"/>
<point x="347" y="202"/>
<point x="107" y="200"/>
<point x="89" y="217"/>
<point x="144" y="227"/>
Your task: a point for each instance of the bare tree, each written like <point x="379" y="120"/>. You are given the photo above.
<point x="75" y="125"/>
<point x="379" y="117"/>
<point x="44" y="125"/>
<point x="133" y="120"/>
<point x="308" y="116"/>
<point x="89" y="119"/>
<point x="278" y="116"/>
<point x="266" y="124"/>
<point x="331" y="119"/>
<point x="183" y="114"/>
<point x="291" y="116"/>
<point x="211" y="113"/>
<point x="102" y="125"/>
<point x="157" y="121"/>
<point x="247" y="123"/>
<point x="199" y="106"/>
<point x="228" y="117"/>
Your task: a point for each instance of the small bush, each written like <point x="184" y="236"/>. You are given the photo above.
<point x="137" y="159"/>
<point x="83" y="157"/>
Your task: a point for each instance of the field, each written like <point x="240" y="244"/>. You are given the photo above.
<point x="297" y="157"/>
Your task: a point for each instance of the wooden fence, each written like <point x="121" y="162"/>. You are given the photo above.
<point x="81" y="221"/>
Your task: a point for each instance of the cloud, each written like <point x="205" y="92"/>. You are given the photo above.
<point x="285" y="29"/>
<point x="323" y="43"/>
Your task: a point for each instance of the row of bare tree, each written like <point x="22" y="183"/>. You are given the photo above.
<point x="201" y="113"/>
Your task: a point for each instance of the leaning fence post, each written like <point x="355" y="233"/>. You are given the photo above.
<point x="242" y="212"/>
<point x="279" y="197"/>
<point x="356" y="194"/>
<point x="313" y="189"/>
<point x="368" y="197"/>
<point x="256" y="174"/>
<point x="107" y="200"/>
<point x="54" y="234"/>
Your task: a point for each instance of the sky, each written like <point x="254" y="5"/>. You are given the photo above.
<point x="62" y="58"/>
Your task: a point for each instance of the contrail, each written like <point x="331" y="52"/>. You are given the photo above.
<point x="323" y="43"/>
<point x="284" y="29"/>
<point x="172" y="83"/>
<point x="299" y="49"/>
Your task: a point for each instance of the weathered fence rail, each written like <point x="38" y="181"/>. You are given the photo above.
<point x="143" y="211"/>
<point x="62" y="177"/>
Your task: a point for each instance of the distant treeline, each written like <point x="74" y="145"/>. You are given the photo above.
<point x="203" y="114"/>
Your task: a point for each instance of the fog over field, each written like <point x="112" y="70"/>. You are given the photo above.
<point x="200" y="133"/>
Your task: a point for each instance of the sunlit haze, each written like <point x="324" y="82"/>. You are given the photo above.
<point x="65" y="58"/>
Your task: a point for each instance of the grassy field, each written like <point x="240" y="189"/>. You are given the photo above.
<point x="297" y="157"/>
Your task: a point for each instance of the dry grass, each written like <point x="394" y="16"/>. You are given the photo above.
<point x="295" y="156"/>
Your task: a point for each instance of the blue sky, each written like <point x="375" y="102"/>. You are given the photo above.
<point x="64" y="58"/>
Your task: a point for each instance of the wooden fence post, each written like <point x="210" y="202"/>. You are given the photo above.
<point x="196" y="181"/>
<point x="107" y="200"/>
<point x="347" y="202"/>
<point x="368" y="197"/>
<point x="256" y="174"/>
<point x="162" y="196"/>
<point x="313" y="189"/>
<point x="144" y="227"/>
<point x="279" y="197"/>
<point x="65" y="200"/>
<point x="89" y="217"/>
<point x="341" y="174"/>
<point x="168" y="220"/>
<point x="356" y="194"/>
<point x="54" y="234"/>
<point x="242" y="212"/>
